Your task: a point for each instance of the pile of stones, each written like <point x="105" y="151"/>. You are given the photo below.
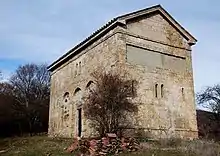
<point x="110" y="144"/>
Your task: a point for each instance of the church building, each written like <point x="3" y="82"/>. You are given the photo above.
<point x="155" y="49"/>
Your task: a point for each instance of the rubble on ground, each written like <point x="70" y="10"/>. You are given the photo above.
<point x="110" y="144"/>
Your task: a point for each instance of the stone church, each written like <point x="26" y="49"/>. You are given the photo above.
<point x="155" y="49"/>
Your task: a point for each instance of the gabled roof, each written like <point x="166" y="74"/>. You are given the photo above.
<point x="121" y="20"/>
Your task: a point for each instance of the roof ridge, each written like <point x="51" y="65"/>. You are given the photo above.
<point x="140" y="10"/>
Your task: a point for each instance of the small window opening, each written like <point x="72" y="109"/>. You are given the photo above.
<point x="182" y="91"/>
<point x="80" y="67"/>
<point x="162" y="91"/>
<point x="76" y="71"/>
<point x="156" y="90"/>
<point x="66" y="97"/>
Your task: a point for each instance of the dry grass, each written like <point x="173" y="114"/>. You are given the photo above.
<point x="44" y="146"/>
<point x="33" y="146"/>
<point x="201" y="148"/>
<point x="191" y="148"/>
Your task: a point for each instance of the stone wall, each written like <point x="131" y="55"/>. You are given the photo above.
<point x="166" y="111"/>
<point x="172" y="112"/>
<point x="73" y="77"/>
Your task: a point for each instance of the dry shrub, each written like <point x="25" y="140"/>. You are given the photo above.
<point x="109" y="103"/>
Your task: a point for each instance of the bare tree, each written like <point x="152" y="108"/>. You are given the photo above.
<point x="110" y="101"/>
<point x="7" y="118"/>
<point x="6" y="100"/>
<point x="31" y="90"/>
<point x="210" y="99"/>
<point x="6" y="88"/>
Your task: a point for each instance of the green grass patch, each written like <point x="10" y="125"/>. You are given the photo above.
<point x="31" y="146"/>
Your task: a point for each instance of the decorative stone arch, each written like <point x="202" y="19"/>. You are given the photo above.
<point x="77" y="90"/>
<point x="89" y="84"/>
<point x="78" y="102"/>
<point x="89" y="87"/>
<point x="77" y="97"/>
<point x="66" y="97"/>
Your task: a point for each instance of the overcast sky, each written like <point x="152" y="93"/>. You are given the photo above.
<point x="40" y="31"/>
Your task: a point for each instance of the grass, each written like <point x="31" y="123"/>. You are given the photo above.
<point x="155" y="152"/>
<point x="44" y="146"/>
<point x="33" y="146"/>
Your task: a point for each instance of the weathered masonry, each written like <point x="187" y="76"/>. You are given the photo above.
<point x="155" y="49"/>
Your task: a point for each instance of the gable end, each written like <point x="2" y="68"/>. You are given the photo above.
<point x="158" y="8"/>
<point x="120" y="20"/>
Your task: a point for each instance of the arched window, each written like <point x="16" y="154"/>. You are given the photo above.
<point x="66" y="97"/>
<point x="156" y="90"/>
<point x="162" y="90"/>
<point x="89" y="84"/>
<point x="77" y="90"/>
<point x="78" y="96"/>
